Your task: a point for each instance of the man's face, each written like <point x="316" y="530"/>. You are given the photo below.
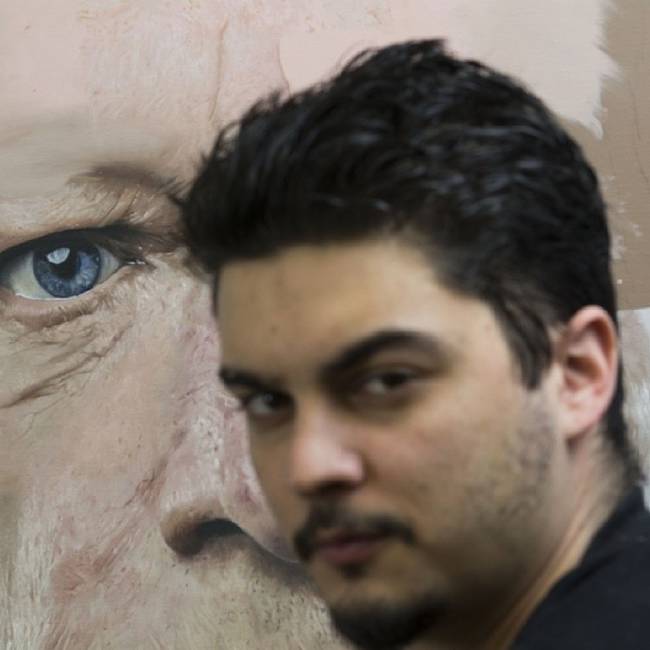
<point x="130" y="515"/>
<point x="392" y="436"/>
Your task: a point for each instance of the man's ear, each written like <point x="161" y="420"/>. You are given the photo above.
<point x="586" y="352"/>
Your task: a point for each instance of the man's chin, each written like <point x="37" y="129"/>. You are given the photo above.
<point x="387" y="626"/>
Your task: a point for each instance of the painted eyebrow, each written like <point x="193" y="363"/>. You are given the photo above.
<point x="363" y="350"/>
<point x="115" y="175"/>
<point x="127" y="172"/>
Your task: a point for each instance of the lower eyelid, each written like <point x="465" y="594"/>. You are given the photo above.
<point x="407" y="375"/>
<point x="29" y="288"/>
<point x="37" y="314"/>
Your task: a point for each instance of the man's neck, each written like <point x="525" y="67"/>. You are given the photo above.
<point x="595" y="489"/>
<point x="597" y="495"/>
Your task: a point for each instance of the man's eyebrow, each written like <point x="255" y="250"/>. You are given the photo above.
<point x="363" y="350"/>
<point x="234" y="377"/>
<point x="352" y="356"/>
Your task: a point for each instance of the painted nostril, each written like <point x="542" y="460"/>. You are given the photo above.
<point x="217" y="529"/>
<point x="190" y="540"/>
<point x="187" y="534"/>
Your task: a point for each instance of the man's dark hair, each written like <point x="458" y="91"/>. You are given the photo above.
<point x="456" y="158"/>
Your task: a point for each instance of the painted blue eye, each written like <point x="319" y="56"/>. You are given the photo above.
<point x="67" y="271"/>
<point x="57" y="268"/>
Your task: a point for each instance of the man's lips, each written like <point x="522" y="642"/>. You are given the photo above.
<point x="342" y="549"/>
<point x="344" y="538"/>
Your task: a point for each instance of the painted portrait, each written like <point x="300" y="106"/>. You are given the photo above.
<point x="130" y="514"/>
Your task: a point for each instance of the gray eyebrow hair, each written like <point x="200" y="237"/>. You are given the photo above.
<point x="113" y="175"/>
<point x="133" y="173"/>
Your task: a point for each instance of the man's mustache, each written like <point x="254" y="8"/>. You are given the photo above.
<point x="332" y="516"/>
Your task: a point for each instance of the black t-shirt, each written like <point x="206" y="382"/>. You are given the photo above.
<point x="604" y="603"/>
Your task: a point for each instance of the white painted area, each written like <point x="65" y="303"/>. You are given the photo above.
<point x="555" y="46"/>
<point x="635" y="332"/>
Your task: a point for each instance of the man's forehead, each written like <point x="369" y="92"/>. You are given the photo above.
<point x="332" y="292"/>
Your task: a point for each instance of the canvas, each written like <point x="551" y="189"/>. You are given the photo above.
<point x="131" y="515"/>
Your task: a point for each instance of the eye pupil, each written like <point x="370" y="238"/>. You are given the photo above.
<point x="67" y="271"/>
<point x="395" y="379"/>
<point x="269" y="401"/>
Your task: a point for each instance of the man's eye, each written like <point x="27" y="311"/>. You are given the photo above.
<point x="57" y="268"/>
<point x="386" y="382"/>
<point x="265" y="405"/>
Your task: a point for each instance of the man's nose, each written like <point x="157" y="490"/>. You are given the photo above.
<point x="210" y="489"/>
<point x="324" y="457"/>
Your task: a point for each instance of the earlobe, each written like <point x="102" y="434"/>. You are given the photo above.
<point x="587" y="353"/>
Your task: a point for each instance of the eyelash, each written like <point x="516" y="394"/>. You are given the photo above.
<point x="122" y="240"/>
<point x="353" y="390"/>
<point x="129" y="244"/>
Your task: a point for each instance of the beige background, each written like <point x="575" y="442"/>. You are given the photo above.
<point x="589" y="59"/>
<point x="622" y="154"/>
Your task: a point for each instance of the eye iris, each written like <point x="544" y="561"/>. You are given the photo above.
<point x="67" y="271"/>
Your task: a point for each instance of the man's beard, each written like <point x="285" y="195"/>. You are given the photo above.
<point x="384" y="626"/>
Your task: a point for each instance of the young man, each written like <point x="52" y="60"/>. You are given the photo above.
<point x="418" y="319"/>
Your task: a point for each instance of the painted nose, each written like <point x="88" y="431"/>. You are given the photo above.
<point x="322" y="457"/>
<point x="210" y="490"/>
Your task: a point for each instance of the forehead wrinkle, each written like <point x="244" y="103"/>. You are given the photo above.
<point x="39" y="157"/>
<point x="166" y="59"/>
<point x="72" y="353"/>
